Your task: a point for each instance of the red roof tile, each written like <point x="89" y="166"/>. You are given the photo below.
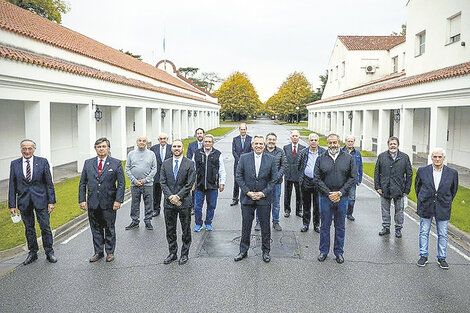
<point x="48" y="62"/>
<point x="379" y="80"/>
<point x="444" y="73"/>
<point x="23" y="22"/>
<point x="371" y="42"/>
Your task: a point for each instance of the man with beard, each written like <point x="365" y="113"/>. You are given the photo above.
<point x="356" y="155"/>
<point x="197" y="144"/>
<point x="335" y="173"/>
<point x="292" y="175"/>
<point x="392" y="179"/>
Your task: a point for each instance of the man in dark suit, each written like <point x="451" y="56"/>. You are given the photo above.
<point x="177" y="179"/>
<point x="292" y="175"/>
<point x="162" y="152"/>
<point x="256" y="174"/>
<point x="436" y="186"/>
<point x="197" y="144"/>
<point x="240" y="145"/>
<point x="101" y="192"/>
<point x="31" y="189"/>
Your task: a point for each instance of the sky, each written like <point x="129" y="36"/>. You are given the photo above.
<point x="266" y="39"/>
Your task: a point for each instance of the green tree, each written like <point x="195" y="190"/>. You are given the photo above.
<point x="137" y="56"/>
<point x="238" y="97"/>
<point x="50" y="9"/>
<point x="206" y="81"/>
<point x="402" y="33"/>
<point x="188" y="71"/>
<point x="319" y="93"/>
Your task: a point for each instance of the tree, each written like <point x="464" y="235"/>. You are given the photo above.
<point x="137" y="56"/>
<point x="206" y="80"/>
<point x="50" y="9"/>
<point x="319" y="93"/>
<point x="402" y="33"/>
<point x="188" y="71"/>
<point x="238" y="97"/>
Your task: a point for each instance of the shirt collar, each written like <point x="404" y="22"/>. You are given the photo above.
<point x="437" y="170"/>
<point x="178" y="158"/>
<point x="30" y="159"/>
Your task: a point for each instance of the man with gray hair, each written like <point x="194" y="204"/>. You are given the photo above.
<point x="356" y="155"/>
<point x="292" y="174"/>
<point x="436" y="186"/>
<point x="162" y="152"/>
<point x="141" y="167"/>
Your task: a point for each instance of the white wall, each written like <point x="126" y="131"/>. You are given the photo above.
<point x="64" y="136"/>
<point x="12" y="132"/>
<point x="131" y="134"/>
<point x="458" y="149"/>
<point x="421" y="130"/>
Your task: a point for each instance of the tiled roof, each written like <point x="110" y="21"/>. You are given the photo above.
<point x="371" y="42"/>
<point x="60" y="65"/>
<point x="379" y="80"/>
<point x="25" y="23"/>
<point x="444" y="73"/>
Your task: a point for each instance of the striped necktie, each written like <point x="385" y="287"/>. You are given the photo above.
<point x="28" y="171"/>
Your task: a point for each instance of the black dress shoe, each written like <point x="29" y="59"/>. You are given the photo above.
<point x="322" y="257"/>
<point x="96" y="257"/>
<point x="316" y="228"/>
<point x="339" y="259"/>
<point x="170" y="258"/>
<point x="287" y="214"/>
<point x="351" y="218"/>
<point x="240" y="256"/>
<point x="299" y="214"/>
<point x="266" y="257"/>
<point x="51" y="258"/>
<point x="148" y="226"/>
<point x="304" y="228"/>
<point x="234" y="202"/>
<point x="30" y="258"/>
<point x="183" y="260"/>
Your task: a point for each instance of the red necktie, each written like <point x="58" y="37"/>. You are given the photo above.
<point x="100" y="167"/>
<point x="295" y="151"/>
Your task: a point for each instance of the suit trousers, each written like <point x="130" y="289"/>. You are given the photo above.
<point x="236" y="188"/>
<point x="171" y="217"/>
<point x="157" y="197"/>
<point x="147" y="193"/>
<point x="310" y="203"/>
<point x="27" y="215"/>
<point x="264" y="215"/>
<point x="102" y="224"/>
<point x="287" y="196"/>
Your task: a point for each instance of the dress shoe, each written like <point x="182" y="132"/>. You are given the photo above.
<point x="132" y="225"/>
<point x="351" y="218"/>
<point x="316" y="228"/>
<point x="257" y="226"/>
<point x="339" y="259"/>
<point x="148" y="226"/>
<point x="384" y="231"/>
<point x="234" y="202"/>
<point x="170" y="258"/>
<point x="155" y="213"/>
<point x="51" y="258"/>
<point x="398" y="233"/>
<point x="95" y="257"/>
<point x="299" y="214"/>
<point x="322" y="257"/>
<point x="30" y="258"/>
<point x="183" y="260"/>
<point x="304" y="228"/>
<point x="266" y="257"/>
<point x="110" y="257"/>
<point x="240" y="256"/>
<point x="287" y="214"/>
<point x="277" y="227"/>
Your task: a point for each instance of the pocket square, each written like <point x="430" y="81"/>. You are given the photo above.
<point x="110" y="170"/>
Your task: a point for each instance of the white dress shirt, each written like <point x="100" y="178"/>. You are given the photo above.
<point x="333" y="156"/>
<point x="180" y="158"/>
<point x="31" y="159"/>
<point x="98" y="161"/>
<point x="162" y="152"/>
<point x="436" y="175"/>
<point x="258" y="162"/>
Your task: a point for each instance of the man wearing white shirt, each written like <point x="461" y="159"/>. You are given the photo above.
<point x="162" y="152"/>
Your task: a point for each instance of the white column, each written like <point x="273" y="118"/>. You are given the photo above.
<point x="323" y="123"/>
<point x="383" y="130"/>
<point x="356" y="128"/>
<point x="38" y="127"/>
<point x="184" y="124"/>
<point x="86" y="134"/>
<point x="140" y="122"/>
<point x="406" y="132"/>
<point x="334" y="118"/>
<point x="169" y="124"/>
<point x="118" y="132"/>
<point x="339" y="123"/>
<point x="191" y="128"/>
<point x="439" y="123"/>
<point x="367" y="130"/>
<point x="347" y="125"/>
<point x="156" y="124"/>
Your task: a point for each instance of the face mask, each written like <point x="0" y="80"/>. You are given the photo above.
<point x="393" y="150"/>
<point x="16" y="218"/>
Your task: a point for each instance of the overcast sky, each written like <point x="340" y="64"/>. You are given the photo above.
<point x="267" y="39"/>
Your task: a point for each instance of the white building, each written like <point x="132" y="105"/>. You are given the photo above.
<point x="417" y="90"/>
<point x="53" y="81"/>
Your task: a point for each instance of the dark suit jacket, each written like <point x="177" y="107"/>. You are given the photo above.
<point x="237" y="150"/>
<point x="432" y="202"/>
<point x="183" y="184"/>
<point x="156" y="150"/>
<point x="247" y="180"/>
<point x="292" y="173"/>
<point x="103" y="190"/>
<point x="39" y="192"/>
<point x="192" y="147"/>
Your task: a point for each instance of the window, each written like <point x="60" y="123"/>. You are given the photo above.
<point x="395" y="64"/>
<point x="420" y="43"/>
<point x="454" y="28"/>
<point x="343" y="68"/>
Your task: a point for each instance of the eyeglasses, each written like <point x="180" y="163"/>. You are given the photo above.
<point x="437" y="157"/>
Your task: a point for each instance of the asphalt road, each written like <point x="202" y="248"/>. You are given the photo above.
<point x="379" y="274"/>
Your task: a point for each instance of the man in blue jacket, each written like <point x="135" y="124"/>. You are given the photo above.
<point x="31" y="189"/>
<point x="436" y="186"/>
<point x="197" y="144"/>
<point x="356" y="155"/>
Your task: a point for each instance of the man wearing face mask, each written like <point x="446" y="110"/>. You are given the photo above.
<point x="392" y="179"/>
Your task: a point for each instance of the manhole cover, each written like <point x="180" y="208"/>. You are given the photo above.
<point x="226" y="243"/>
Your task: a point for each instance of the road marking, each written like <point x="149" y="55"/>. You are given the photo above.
<point x="466" y="257"/>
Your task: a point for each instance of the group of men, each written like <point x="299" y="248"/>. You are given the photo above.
<point x="324" y="181"/>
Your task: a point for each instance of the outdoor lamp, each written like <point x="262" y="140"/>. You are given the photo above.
<point x="163" y="114"/>
<point x="397" y="116"/>
<point x="195" y="113"/>
<point x="208" y="113"/>
<point x="329" y="115"/>
<point x="350" y="115"/>
<point x="189" y="113"/>
<point x="98" y="114"/>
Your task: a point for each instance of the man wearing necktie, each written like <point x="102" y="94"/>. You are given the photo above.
<point x="197" y="144"/>
<point x="241" y="144"/>
<point x="162" y="152"/>
<point x="31" y="189"/>
<point x="292" y="175"/>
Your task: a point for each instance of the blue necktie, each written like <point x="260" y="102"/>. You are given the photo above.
<point x="175" y="169"/>
<point x="243" y="143"/>
<point x="161" y="153"/>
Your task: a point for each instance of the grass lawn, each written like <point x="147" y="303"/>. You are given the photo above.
<point x="460" y="214"/>
<point x="301" y="124"/>
<point x="365" y="153"/>
<point x="217" y="132"/>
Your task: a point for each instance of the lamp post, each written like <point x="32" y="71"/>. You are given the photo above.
<point x="297" y="109"/>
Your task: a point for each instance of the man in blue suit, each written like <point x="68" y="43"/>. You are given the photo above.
<point x="240" y="145"/>
<point x="436" y="186"/>
<point x="162" y="152"/>
<point x="101" y="192"/>
<point x="197" y="144"/>
<point x="31" y="189"/>
<point x="256" y="174"/>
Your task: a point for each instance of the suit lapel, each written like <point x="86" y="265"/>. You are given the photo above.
<point x="105" y="167"/>
<point x="431" y="177"/>
<point x="253" y="164"/>
<point x="443" y="176"/>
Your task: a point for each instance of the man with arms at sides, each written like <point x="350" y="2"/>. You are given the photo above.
<point x="31" y="189"/>
<point x="177" y="178"/>
<point x="335" y="173"/>
<point x="210" y="179"/>
<point x="356" y="155"/>
<point x="292" y="174"/>
<point x="281" y="166"/>
<point x="436" y="186"/>
<point x="162" y="152"/>
<point x="240" y="145"/>
<point x="101" y="192"/>
<point x="306" y="166"/>
<point x="256" y="174"/>
<point x="141" y="167"/>
<point x="197" y="144"/>
<point x="392" y="179"/>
